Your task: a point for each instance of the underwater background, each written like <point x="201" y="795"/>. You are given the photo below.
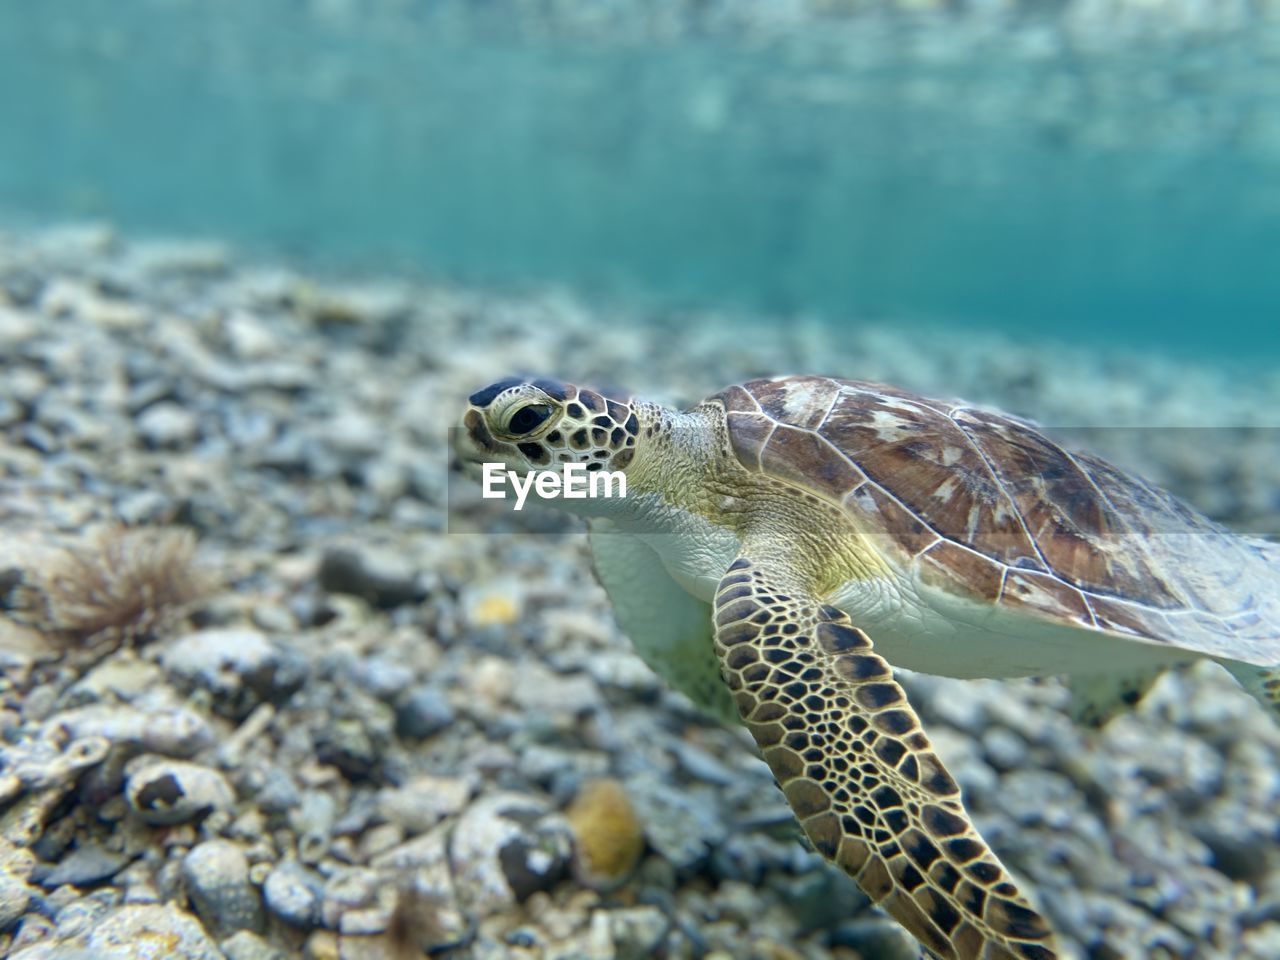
<point x="275" y="682"/>
<point x="1105" y="172"/>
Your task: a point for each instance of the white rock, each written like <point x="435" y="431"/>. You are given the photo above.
<point x="167" y="425"/>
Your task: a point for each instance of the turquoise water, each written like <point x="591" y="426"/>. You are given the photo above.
<point x="1009" y="176"/>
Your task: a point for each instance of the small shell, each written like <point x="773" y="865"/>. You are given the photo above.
<point x="167" y="792"/>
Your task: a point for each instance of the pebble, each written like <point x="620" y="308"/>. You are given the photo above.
<point x="562" y="770"/>
<point x="623" y="670"/>
<point x="292" y="892"/>
<point x="322" y="945"/>
<point x="354" y="434"/>
<point x="382" y="677"/>
<point x="239" y="666"/>
<point x="174" y="732"/>
<point x="877" y="938"/>
<point x="820" y="898"/>
<point x="86" y="865"/>
<point x="276" y="792"/>
<point x="312" y="820"/>
<point x="11" y="412"/>
<point x="352" y="305"/>
<point x="506" y="847"/>
<point x="248" y="337"/>
<point x="139" y="883"/>
<point x="144" y="507"/>
<point x="247" y="945"/>
<point x="78" y="915"/>
<point x="1262" y="941"/>
<point x="1004" y="748"/>
<point x="357" y="901"/>
<point x="490" y="686"/>
<point x="33" y="929"/>
<point x="16" y="326"/>
<point x="683" y="825"/>
<point x="428" y="852"/>
<point x="216" y="873"/>
<point x="427" y="895"/>
<point x="124" y="678"/>
<point x="704" y="766"/>
<point x="496" y="604"/>
<point x="133" y="932"/>
<point x="16" y="865"/>
<point x="544" y="691"/>
<point x="379" y="839"/>
<point x="349" y="745"/>
<point x="383" y="580"/>
<point x="423" y="712"/>
<point x="420" y="804"/>
<point x="637" y="932"/>
<point x="168" y="426"/>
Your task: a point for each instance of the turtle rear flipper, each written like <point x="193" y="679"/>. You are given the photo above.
<point x="1262" y="682"/>
<point x="848" y="751"/>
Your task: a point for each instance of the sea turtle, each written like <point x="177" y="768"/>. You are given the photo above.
<point x="786" y="540"/>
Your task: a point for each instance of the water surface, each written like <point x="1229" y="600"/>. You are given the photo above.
<point x="1014" y="175"/>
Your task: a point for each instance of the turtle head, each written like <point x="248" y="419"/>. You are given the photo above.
<point x="542" y="424"/>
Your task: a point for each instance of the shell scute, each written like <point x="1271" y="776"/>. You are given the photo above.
<point x="799" y="401"/>
<point x="930" y="466"/>
<point x="1076" y="530"/>
<point x="737" y="400"/>
<point x="1121" y="617"/>
<point x="1046" y="593"/>
<point x="885" y="515"/>
<point x="748" y="434"/>
<point x="804" y="458"/>
<point x="952" y="567"/>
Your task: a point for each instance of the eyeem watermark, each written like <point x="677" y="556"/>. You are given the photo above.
<point x="573" y="481"/>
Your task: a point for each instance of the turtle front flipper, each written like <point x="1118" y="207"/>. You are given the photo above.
<point x="861" y="775"/>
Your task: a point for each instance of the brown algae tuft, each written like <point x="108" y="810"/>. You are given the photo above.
<point x="119" y="587"/>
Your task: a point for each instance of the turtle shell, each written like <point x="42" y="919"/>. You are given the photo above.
<point x="986" y="506"/>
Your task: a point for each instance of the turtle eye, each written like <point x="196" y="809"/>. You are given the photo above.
<point x="528" y="419"/>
